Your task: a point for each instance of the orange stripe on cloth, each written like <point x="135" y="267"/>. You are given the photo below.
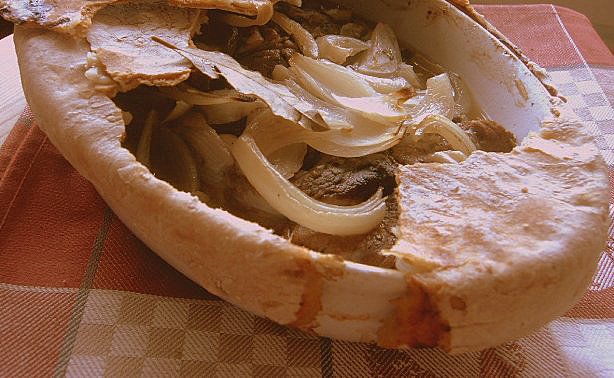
<point x="543" y="31"/>
<point x="594" y="305"/>
<point x="48" y="216"/>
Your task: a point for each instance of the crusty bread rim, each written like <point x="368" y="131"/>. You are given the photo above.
<point x="264" y="273"/>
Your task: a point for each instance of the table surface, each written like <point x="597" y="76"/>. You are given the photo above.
<point x="12" y="101"/>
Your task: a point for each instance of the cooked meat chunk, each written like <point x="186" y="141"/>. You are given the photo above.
<point x="274" y="49"/>
<point x="264" y="61"/>
<point x="359" y="248"/>
<point x="489" y="136"/>
<point x="347" y="181"/>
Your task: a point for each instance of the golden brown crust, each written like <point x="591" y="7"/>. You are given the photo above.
<point x="508" y="236"/>
<point x="416" y="321"/>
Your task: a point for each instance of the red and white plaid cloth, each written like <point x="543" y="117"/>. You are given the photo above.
<point x="81" y="296"/>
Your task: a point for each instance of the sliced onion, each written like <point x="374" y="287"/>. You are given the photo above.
<point x="465" y="102"/>
<point x="180" y="109"/>
<point x="380" y="109"/>
<point x="172" y="160"/>
<point x="344" y="145"/>
<point x="207" y="144"/>
<point x="127" y="117"/>
<point x="407" y="72"/>
<point x="341" y="86"/>
<point x="296" y="205"/>
<point x="450" y="131"/>
<point x="365" y="139"/>
<point x="385" y="85"/>
<point x="287" y="160"/>
<point x="143" y="149"/>
<point x="229" y="112"/>
<point x="439" y="99"/>
<point x="338" y="48"/>
<point x="296" y="3"/>
<point x="338" y="80"/>
<point x="280" y="73"/>
<point x="334" y="117"/>
<point x="302" y="37"/>
<point x="382" y="59"/>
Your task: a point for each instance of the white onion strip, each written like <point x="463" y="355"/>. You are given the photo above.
<point x="338" y="48"/>
<point x="299" y="207"/>
<point x="304" y="39"/>
<point x="341" y="86"/>
<point x="450" y="131"/>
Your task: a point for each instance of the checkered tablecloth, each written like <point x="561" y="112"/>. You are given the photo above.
<point x="81" y="296"/>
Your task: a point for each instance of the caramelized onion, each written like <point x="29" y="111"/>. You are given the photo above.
<point x="299" y="207"/>
<point x="143" y="149"/>
<point x="450" y="131"/>
<point x="382" y="59"/>
<point x="180" y="109"/>
<point x="438" y="99"/>
<point x="338" y="48"/>
<point x="207" y="144"/>
<point x="341" y="86"/>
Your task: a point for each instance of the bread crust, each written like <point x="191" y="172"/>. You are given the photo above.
<point x="479" y="292"/>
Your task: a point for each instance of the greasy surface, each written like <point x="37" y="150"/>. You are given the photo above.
<point x="120" y="36"/>
<point x="501" y="236"/>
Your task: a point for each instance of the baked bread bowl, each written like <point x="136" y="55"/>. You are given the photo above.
<point x="494" y="246"/>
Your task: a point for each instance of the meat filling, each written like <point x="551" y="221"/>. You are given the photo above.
<point x="489" y="136"/>
<point x="347" y="181"/>
<point x="325" y="178"/>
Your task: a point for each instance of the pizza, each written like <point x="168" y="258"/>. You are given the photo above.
<point x="302" y="162"/>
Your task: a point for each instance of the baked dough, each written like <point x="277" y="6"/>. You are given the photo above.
<point x="495" y="246"/>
